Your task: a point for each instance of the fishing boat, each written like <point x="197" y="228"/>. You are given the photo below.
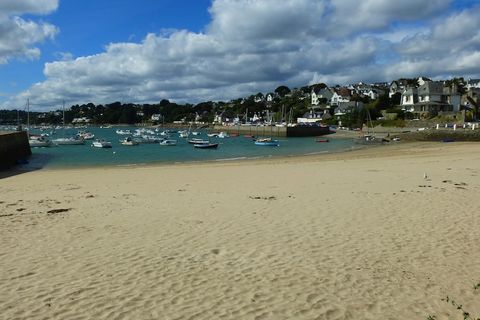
<point x="168" y="143"/>
<point x="100" y="143"/>
<point x="267" y="142"/>
<point x="206" y="145"/>
<point x="322" y="140"/>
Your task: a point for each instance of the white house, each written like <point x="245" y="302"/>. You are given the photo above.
<point x="156" y="117"/>
<point x="473" y="83"/>
<point x="431" y="97"/>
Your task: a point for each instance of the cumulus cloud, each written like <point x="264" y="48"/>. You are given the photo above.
<point x="251" y="46"/>
<point x="18" y="36"/>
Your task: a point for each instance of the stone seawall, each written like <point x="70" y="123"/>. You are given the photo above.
<point x="273" y="131"/>
<point x="13" y="147"/>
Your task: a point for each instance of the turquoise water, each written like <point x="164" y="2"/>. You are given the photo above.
<point x="232" y="148"/>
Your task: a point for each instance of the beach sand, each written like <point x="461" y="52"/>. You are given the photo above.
<point x="357" y="235"/>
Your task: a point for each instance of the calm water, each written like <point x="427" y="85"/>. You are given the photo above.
<point x="229" y="149"/>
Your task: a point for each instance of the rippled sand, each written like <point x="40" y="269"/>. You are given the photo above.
<point x="384" y="233"/>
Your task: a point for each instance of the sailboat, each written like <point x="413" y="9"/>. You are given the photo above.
<point x="76" y="140"/>
<point x="35" y="141"/>
<point x="369" y="137"/>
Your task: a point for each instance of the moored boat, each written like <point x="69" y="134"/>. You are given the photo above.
<point x="39" y="141"/>
<point x="168" y="143"/>
<point x="267" y="142"/>
<point x="86" y="135"/>
<point x="198" y="141"/>
<point x="322" y="140"/>
<point x="128" y="141"/>
<point x="206" y="146"/>
<point x="69" y="141"/>
<point x="101" y="144"/>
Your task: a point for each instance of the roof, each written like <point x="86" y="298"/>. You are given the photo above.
<point x="431" y="87"/>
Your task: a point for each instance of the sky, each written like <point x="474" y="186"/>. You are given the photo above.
<point x="200" y="50"/>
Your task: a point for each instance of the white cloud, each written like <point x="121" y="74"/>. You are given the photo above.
<point x="18" y="36"/>
<point x="18" y="7"/>
<point x="251" y="46"/>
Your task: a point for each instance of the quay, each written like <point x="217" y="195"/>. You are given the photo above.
<point x="14" y="147"/>
<point x="274" y="131"/>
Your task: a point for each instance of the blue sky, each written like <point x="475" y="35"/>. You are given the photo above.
<point x="198" y="50"/>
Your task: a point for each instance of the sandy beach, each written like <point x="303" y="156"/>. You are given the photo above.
<point x="380" y="233"/>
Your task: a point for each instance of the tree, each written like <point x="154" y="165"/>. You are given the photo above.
<point x="282" y="91"/>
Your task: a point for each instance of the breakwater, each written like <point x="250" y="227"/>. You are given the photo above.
<point x="439" y="135"/>
<point x="274" y="131"/>
<point x="14" y="147"/>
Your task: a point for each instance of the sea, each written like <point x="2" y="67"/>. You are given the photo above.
<point x="229" y="149"/>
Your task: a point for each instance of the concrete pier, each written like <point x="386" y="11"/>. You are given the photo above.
<point x="14" y="147"/>
<point x="273" y="131"/>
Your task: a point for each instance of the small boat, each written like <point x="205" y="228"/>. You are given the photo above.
<point x="448" y="140"/>
<point x="149" y="139"/>
<point x="251" y="136"/>
<point x="234" y="134"/>
<point x="223" y="135"/>
<point x="198" y="141"/>
<point x="86" y="135"/>
<point x="195" y="133"/>
<point x="183" y="134"/>
<point x="322" y="140"/>
<point x="129" y="142"/>
<point x="168" y="142"/>
<point x="101" y="144"/>
<point x="123" y="132"/>
<point x="39" y="141"/>
<point x="267" y="142"/>
<point x="213" y="135"/>
<point x="69" y="141"/>
<point x="206" y="145"/>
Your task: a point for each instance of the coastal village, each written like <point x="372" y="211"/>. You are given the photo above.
<point x="455" y="100"/>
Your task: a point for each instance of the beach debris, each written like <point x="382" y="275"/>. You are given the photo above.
<point x="58" y="210"/>
<point x="263" y="198"/>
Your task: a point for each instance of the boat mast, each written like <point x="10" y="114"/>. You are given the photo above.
<point x="28" y="115"/>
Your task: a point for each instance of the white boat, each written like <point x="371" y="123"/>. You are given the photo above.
<point x="101" y="144"/>
<point x="123" y="132"/>
<point x="223" y="135"/>
<point x="39" y="141"/>
<point x="69" y="141"/>
<point x="267" y="142"/>
<point x="168" y="142"/>
<point x="183" y="134"/>
<point x="198" y="141"/>
<point x="148" y="139"/>
<point x="86" y="135"/>
<point x="195" y="133"/>
<point x="129" y="142"/>
<point x="213" y="135"/>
